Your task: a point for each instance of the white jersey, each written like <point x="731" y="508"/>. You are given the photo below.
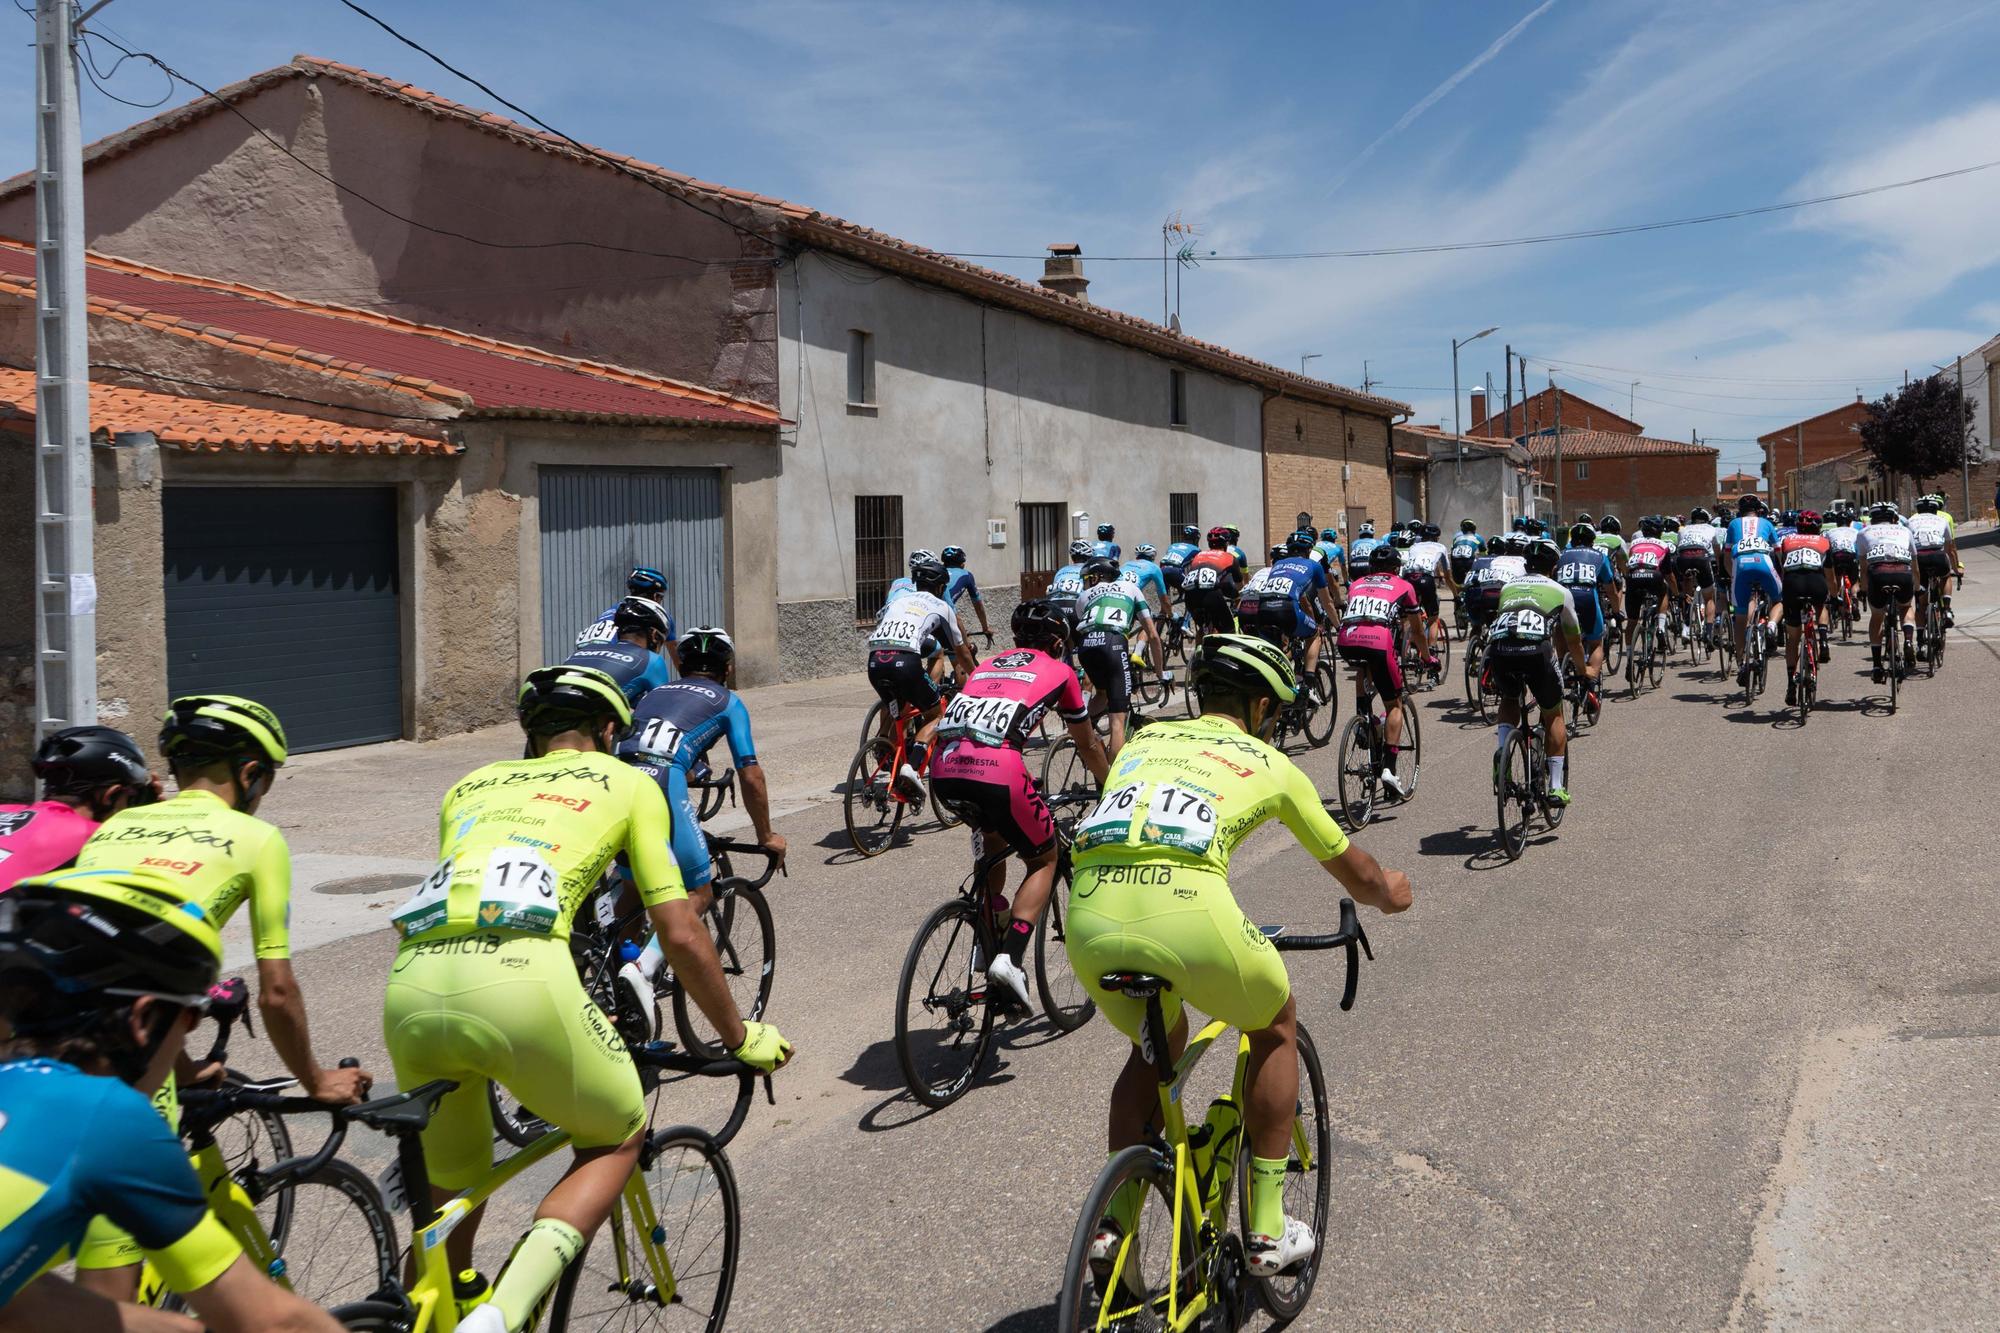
<point x="1929" y="531"/>
<point x="910" y="618"/>
<point x="1509" y="567"/>
<point x="1424" y="558"/>
<point x="1255" y="583"/>
<point x="1885" y="544"/>
<point x="1842" y="538"/>
<point x="1699" y="538"/>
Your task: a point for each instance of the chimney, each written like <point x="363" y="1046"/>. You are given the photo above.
<point x="1478" y="410"/>
<point x="1062" y="271"/>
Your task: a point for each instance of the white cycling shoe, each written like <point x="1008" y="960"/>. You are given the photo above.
<point x="1269" y="1256"/>
<point x="483" y="1319"/>
<point x="1008" y="972"/>
<point x="1392" y="783"/>
<point x="637" y="992"/>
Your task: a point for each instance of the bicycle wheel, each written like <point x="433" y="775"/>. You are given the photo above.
<point x="511" y="1120"/>
<point x="1326" y="706"/>
<point x="1516" y="795"/>
<point x="946" y="816"/>
<point x="1308" y="1184"/>
<point x="340" y="1243"/>
<point x="1441" y="644"/>
<point x="944" y="1026"/>
<point x="871" y="721"/>
<point x="1064" y="1000"/>
<point x="873" y="813"/>
<point x="1614" y="650"/>
<point x="1132" y="1289"/>
<point x="1656" y="658"/>
<point x="375" y="1317"/>
<point x="1357" y="774"/>
<point x="250" y="1141"/>
<point x="1552" y="814"/>
<point x="697" y="1224"/>
<point x="746" y="943"/>
<point x="1473" y="665"/>
<point x="1409" y="758"/>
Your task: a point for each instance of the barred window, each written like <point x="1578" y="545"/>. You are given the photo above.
<point x="878" y="551"/>
<point x="1183" y="511"/>
<point x="1042" y="547"/>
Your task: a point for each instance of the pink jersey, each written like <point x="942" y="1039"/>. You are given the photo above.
<point x="1647" y="558"/>
<point x="38" y="838"/>
<point x="1003" y="703"/>
<point x="1379" y="599"/>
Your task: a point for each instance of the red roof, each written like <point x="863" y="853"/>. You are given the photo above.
<point x="1578" y="444"/>
<point x="480" y="376"/>
<point x="197" y="426"/>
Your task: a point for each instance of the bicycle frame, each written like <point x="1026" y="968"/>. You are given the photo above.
<point x="233" y="1208"/>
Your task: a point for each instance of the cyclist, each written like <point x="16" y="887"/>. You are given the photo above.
<point x="1152" y="892"/>
<point x="1424" y="563"/>
<point x="1586" y="572"/>
<point x="1649" y="573"/>
<point x="1305" y="584"/>
<point x="644" y="581"/>
<point x="1276" y="627"/>
<point x="102" y="975"/>
<point x="1182" y="551"/>
<point x="960" y="583"/>
<point x="1694" y="564"/>
<point x="1537" y="618"/>
<point x="1936" y="544"/>
<point x="1501" y="565"/>
<point x="1380" y="605"/>
<point x="1110" y="611"/>
<point x="484" y="988"/>
<point x="1802" y="561"/>
<point x="1144" y="572"/>
<point x="908" y="622"/>
<point x="1747" y="555"/>
<point x="1364" y="541"/>
<point x="1236" y="548"/>
<point x="632" y="658"/>
<point x="1787" y="524"/>
<point x="1841" y="534"/>
<point x="88" y="774"/>
<point x="1466" y="546"/>
<point x="1067" y="585"/>
<point x="1106" y="547"/>
<point x="1887" y="552"/>
<point x="981" y="774"/>
<point x="1330" y="547"/>
<point x="673" y="729"/>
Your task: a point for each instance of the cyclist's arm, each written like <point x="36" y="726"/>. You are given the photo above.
<point x="280" y="1002"/>
<point x="749" y="773"/>
<point x="1301" y="810"/>
<point x="978" y="603"/>
<point x="52" y="1302"/>
<point x="683" y="938"/>
<point x="244" y="1300"/>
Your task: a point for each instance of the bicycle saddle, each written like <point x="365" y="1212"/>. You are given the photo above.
<point x="409" y="1110"/>
<point x="1138" y="985"/>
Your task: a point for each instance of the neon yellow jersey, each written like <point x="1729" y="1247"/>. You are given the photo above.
<point x="522" y="842"/>
<point x="1188" y="794"/>
<point x="222" y="857"/>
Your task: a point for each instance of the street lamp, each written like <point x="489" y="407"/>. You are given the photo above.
<point x="1458" y="426"/>
<point x="1309" y="356"/>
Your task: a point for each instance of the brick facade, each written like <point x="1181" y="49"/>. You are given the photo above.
<point x="1850" y="477"/>
<point x="1538" y="412"/>
<point x="1305" y="447"/>
<point x="1820" y="438"/>
<point x="1631" y="486"/>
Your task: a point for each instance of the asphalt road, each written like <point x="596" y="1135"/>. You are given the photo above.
<point x="1722" y="1053"/>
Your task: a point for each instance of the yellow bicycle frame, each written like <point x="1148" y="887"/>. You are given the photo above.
<point x="232" y="1207"/>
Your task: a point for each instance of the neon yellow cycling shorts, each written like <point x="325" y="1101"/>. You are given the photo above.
<point x="508" y="1007"/>
<point x="1181" y="923"/>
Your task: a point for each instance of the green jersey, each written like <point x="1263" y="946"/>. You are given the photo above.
<point x="1108" y="610"/>
<point x="1613" y="547"/>
<point x="1530" y="609"/>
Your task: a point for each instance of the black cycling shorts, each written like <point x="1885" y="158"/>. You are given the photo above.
<point x="1640" y="591"/>
<point x="1694" y="571"/>
<point x="1533" y="667"/>
<point x="1461" y="565"/>
<point x="899" y="677"/>
<point x="1109" y="667"/>
<point x="1210" y="610"/>
<point x="1803" y="588"/>
<point x="1270" y="619"/>
<point x="1933" y="565"/>
<point x="1887" y="582"/>
<point x="1427" y="592"/>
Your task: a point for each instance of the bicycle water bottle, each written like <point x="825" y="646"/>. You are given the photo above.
<point x="1219" y="1132"/>
<point x="628" y="952"/>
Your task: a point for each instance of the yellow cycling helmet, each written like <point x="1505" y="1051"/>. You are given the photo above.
<point x="105" y="936"/>
<point x="562" y="698"/>
<point x="221" y="726"/>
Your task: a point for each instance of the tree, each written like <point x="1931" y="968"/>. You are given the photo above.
<point x="1920" y="430"/>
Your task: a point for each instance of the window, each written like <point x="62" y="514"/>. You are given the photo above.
<point x="1177" y="397"/>
<point x="878" y="551"/>
<point x="1042" y="547"/>
<point x="1183" y="511"/>
<point x="860" y="368"/>
<point x="1583" y="472"/>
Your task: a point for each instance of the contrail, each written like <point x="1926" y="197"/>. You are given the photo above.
<point x="1443" y="90"/>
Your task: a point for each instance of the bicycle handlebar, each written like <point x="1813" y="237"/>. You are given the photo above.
<point x="202" y="1109"/>
<point x="656" y="1055"/>
<point x="773" y="864"/>
<point x="1350" y="937"/>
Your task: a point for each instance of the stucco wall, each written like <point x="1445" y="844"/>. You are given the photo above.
<point x="1488" y="490"/>
<point x="214" y="198"/>
<point x="976" y="411"/>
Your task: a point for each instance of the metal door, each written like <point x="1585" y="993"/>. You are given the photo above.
<point x="598" y="522"/>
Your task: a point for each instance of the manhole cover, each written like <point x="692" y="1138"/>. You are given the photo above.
<point x="368" y="884"/>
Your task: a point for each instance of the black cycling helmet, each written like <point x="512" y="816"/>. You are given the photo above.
<point x="645" y="581"/>
<point x="1610" y="525"/>
<point x="1467" y="525"/>
<point x="1401" y="539"/>
<point x="1277" y="553"/>
<point x="1241" y="664"/>
<point x="1748" y="504"/>
<point x="1581" y="535"/>
<point x="641" y="614"/>
<point x="928" y="572"/>
<point x="1649" y="526"/>
<point x="1520" y="523"/>
<point x="1537" y="528"/>
<point x="77" y="761"/>
<point x="706" y="651"/>
<point x="1218" y="539"/>
<point x="202" y="728"/>
<point x="1432" y="532"/>
<point x="1101" y="570"/>
<point x="1039" y="625"/>
<point x="1145" y="551"/>
<point x="1699" y="514"/>
<point x="1670" y="524"/>
<point x="1384" y="559"/>
<point x="1583" y="516"/>
<point x="953" y="557"/>
<point x="1542" y="557"/>
<point x="1106" y="532"/>
<point x="571" y="698"/>
<point x="1300" y="542"/>
<point x="1190" y="533"/>
<point x="1235" y="533"/>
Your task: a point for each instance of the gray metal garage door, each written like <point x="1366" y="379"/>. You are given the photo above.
<point x="288" y="595"/>
<point x="598" y="522"/>
<point x="1406" y="496"/>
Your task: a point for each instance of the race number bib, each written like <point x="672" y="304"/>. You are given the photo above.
<point x="598" y="631"/>
<point x="1109" y="614"/>
<point x="427" y="909"/>
<point x="517" y="891"/>
<point x="1111" y="820"/>
<point x="989" y="721"/>
<point x="1804" y="557"/>
<point x="1178" y="818"/>
<point x="1204" y="576"/>
<point x="1370" y="608"/>
<point x="1645" y="559"/>
<point x="1577" y="575"/>
<point x="1072" y="584"/>
<point x="657" y="736"/>
<point x="898" y="632"/>
<point x="1521" y="623"/>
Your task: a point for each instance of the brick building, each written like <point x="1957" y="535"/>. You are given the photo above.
<point x="1612" y="472"/>
<point x="1816" y="439"/>
<point x="1735" y="485"/>
<point x="1330" y="462"/>
<point x="1539" y="412"/>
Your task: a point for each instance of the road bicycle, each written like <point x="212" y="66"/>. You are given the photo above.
<point x="1180" y="1264"/>
<point x="1645" y="664"/>
<point x="1420" y="676"/>
<point x="608" y="931"/>
<point x="945" y="1013"/>
<point x="1725" y="635"/>
<point x="1842" y="607"/>
<point x="1583" y="696"/>
<point x="675" y="1233"/>
<point x="312" y="1222"/>
<point x="1479" y="693"/>
<point x="1931" y="636"/>
<point x="1364" y="755"/>
<point x="876" y="798"/>
<point x="1757" y="644"/>
<point x="1805" y="676"/>
<point x="1614" y="640"/>
<point x="1523" y="787"/>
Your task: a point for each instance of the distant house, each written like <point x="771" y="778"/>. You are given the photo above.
<point x="1816" y="439"/>
<point x="1538" y="412"/>
<point x="1733" y="486"/>
<point x="1614" y="472"/>
<point x="1488" y="481"/>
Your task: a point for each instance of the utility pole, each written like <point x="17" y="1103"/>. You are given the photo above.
<point x="1510" y="390"/>
<point x="1799" y="467"/>
<point x="1559" y="447"/>
<point x="1632" y="402"/>
<point x="1367" y="384"/>
<point x="65" y="577"/>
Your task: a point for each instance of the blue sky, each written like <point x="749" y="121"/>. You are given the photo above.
<point x="1286" y="127"/>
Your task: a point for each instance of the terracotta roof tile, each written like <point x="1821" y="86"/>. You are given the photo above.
<point x="1580" y="444"/>
<point x="197" y="426"/>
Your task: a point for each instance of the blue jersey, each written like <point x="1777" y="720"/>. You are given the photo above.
<point x="1357" y="554"/>
<point x="1750" y="543"/>
<point x="901" y="585"/>
<point x="637" y="670"/>
<point x="1585" y="569"/>
<point x="601" y="630"/>
<point x="1147" y="575"/>
<point x="1780" y="532"/>
<point x="1335" y="553"/>
<point x="1067" y="585"/>
<point x="74" y="1146"/>
<point x="1296" y="576"/>
<point x="1105" y="551"/>
<point x="1180" y="553"/>
<point x="961" y="584"/>
<point x="1467" y="546"/>
<point x="676" y="725"/>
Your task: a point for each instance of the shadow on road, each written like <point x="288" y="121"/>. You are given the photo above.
<point x="1026" y="1321"/>
<point x="1480" y="846"/>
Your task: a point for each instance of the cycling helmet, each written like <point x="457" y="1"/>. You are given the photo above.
<point x="1928" y="504"/>
<point x="1581" y="535"/>
<point x="639" y="613"/>
<point x="1190" y="533"/>
<point x="1235" y="533"/>
<point x="706" y="651"/>
<point x="1537" y="528"/>
<point x="1329" y="534"/>
<point x="1520" y="523"/>
<point x="207" y="727"/>
<point x="1080" y="550"/>
<point x="1467" y="525"/>
<point x="1882" y="511"/>
<point x="1542" y="556"/>
<point x="1807" y="521"/>
<point x="1300" y="542"/>
<point x="1105" y="532"/>
<point x="1277" y="553"/>
<point x="1146" y="551"/>
<point x="645" y="581"/>
<point x="1649" y="526"/>
<point x="928" y="572"/>
<point x="1101" y="570"/>
<point x="570" y="698"/>
<point x="1670" y="524"/>
<point x="1385" y="559"/>
<point x="1240" y="664"/>
<point x="1748" y="504"/>
<point x="1039" y="625"/>
<point x="1698" y="515"/>
<point x="1610" y="525"/>
<point x="1218" y="539"/>
<point x="1432" y="532"/>
<point x="1583" y="517"/>
<point x="79" y="760"/>
<point x="953" y="557"/>
<point x="1367" y="529"/>
<point x="1401" y="539"/>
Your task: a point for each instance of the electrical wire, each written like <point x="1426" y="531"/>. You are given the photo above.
<point x="98" y="78"/>
<point x="1725" y="379"/>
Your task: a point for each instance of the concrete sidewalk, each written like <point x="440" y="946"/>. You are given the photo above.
<point x="362" y="823"/>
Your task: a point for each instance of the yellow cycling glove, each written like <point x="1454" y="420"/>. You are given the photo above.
<point x="763" y="1047"/>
